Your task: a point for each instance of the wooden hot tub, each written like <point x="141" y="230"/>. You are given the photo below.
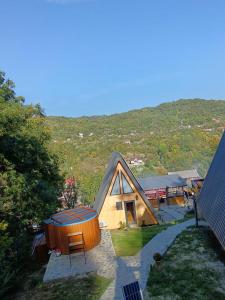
<point x="70" y="227"/>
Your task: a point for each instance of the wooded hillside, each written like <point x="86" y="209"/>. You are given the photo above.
<point x="172" y="136"/>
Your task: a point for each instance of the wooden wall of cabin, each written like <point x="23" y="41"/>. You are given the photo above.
<point x="112" y="217"/>
<point x="178" y="200"/>
<point x="57" y="235"/>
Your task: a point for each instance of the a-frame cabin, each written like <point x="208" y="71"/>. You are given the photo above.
<point x="211" y="201"/>
<point x="121" y="199"/>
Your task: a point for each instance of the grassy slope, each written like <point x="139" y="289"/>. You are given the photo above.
<point x="189" y="270"/>
<point x="168" y="137"/>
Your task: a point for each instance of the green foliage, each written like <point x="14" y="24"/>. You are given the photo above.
<point x="172" y="136"/>
<point x="29" y="179"/>
<point x="122" y="225"/>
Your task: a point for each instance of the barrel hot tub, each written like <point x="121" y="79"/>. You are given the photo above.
<point x="73" y="227"/>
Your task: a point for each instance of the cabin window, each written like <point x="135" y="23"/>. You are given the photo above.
<point x="119" y="205"/>
<point x="116" y="186"/>
<point x="127" y="189"/>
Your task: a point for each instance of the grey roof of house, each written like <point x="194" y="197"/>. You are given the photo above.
<point x="186" y="174"/>
<point x="212" y="196"/>
<point x="115" y="159"/>
<point x="156" y="182"/>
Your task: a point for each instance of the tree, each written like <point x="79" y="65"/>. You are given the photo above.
<point x="70" y="193"/>
<point x="29" y="179"/>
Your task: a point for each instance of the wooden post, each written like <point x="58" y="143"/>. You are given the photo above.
<point x="196" y="210"/>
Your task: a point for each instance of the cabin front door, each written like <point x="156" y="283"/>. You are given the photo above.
<point x="130" y="212"/>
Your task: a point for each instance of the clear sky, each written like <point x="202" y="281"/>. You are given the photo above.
<point x="91" y="57"/>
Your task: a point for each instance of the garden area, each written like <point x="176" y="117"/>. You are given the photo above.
<point x="192" y="268"/>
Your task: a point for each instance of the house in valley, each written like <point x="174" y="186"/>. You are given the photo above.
<point x="121" y="199"/>
<point x="136" y="162"/>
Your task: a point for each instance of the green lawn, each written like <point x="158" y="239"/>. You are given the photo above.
<point x="129" y="242"/>
<point x="91" y="287"/>
<point x="189" y="270"/>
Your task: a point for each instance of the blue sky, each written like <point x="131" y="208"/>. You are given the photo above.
<point x="92" y="57"/>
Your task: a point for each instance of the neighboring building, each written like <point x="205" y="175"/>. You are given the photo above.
<point x="121" y="199"/>
<point x="188" y="175"/>
<point x="136" y="162"/>
<point x="127" y="142"/>
<point x="212" y="196"/>
<point x="163" y="190"/>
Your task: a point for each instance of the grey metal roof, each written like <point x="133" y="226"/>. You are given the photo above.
<point x="115" y="159"/>
<point x="156" y="182"/>
<point x="212" y="196"/>
<point x="186" y="174"/>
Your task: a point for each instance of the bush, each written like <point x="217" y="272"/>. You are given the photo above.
<point x="122" y="225"/>
<point x="157" y="256"/>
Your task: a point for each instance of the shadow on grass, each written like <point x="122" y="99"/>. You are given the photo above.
<point x="90" y="287"/>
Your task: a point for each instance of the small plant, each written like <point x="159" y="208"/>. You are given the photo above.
<point x="157" y="257"/>
<point x="143" y="223"/>
<point x="122" y="225"/>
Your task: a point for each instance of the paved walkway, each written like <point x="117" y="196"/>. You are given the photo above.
<point x="171" y="213"/>
<point x="138" y="267"/>
<point x="100" y="260"/>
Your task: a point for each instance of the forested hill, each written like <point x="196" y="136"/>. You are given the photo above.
<point x="172" y="136"/>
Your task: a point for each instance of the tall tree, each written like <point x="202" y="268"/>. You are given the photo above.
<point x="29" y="179"/>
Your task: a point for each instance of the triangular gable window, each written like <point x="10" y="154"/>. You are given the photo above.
<point x="127" y="189"/>
<point x="116" y="186"/>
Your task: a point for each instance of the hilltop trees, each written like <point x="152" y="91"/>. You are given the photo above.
<point x="29" y="179"/>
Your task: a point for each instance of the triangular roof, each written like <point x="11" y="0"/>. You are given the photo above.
<point x="212" y="195"/>
<point x="115" y="159"/>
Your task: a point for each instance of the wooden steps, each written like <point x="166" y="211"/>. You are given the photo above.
<point x="76" y="245"/>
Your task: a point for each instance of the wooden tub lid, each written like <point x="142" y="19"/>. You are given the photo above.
<point x="76" y="215"/>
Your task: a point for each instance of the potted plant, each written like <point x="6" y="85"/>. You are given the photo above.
<point x="157" y="258"/>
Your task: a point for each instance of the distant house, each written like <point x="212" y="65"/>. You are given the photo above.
<point x="136" y="162"/>
<point x="81" y="135"/>
<point x="121" y="199"/>
<point x="211" y="200"/>
<point x="163" y="190"/>
<point x="208" y="129"/>
<point x="188" y="175"/>
<point x="127" y="142"/>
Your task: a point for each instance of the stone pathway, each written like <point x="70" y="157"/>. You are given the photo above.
<point x="170" y="213"/>
<point x="101" y="260"/>
<point x="137" y="267"/>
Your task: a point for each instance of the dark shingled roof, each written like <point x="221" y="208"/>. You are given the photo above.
<point x="186" y="174"/>
<point x="115" y="159"/>
<point x="156" y="182"/>
<point x="212" y="195"/>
